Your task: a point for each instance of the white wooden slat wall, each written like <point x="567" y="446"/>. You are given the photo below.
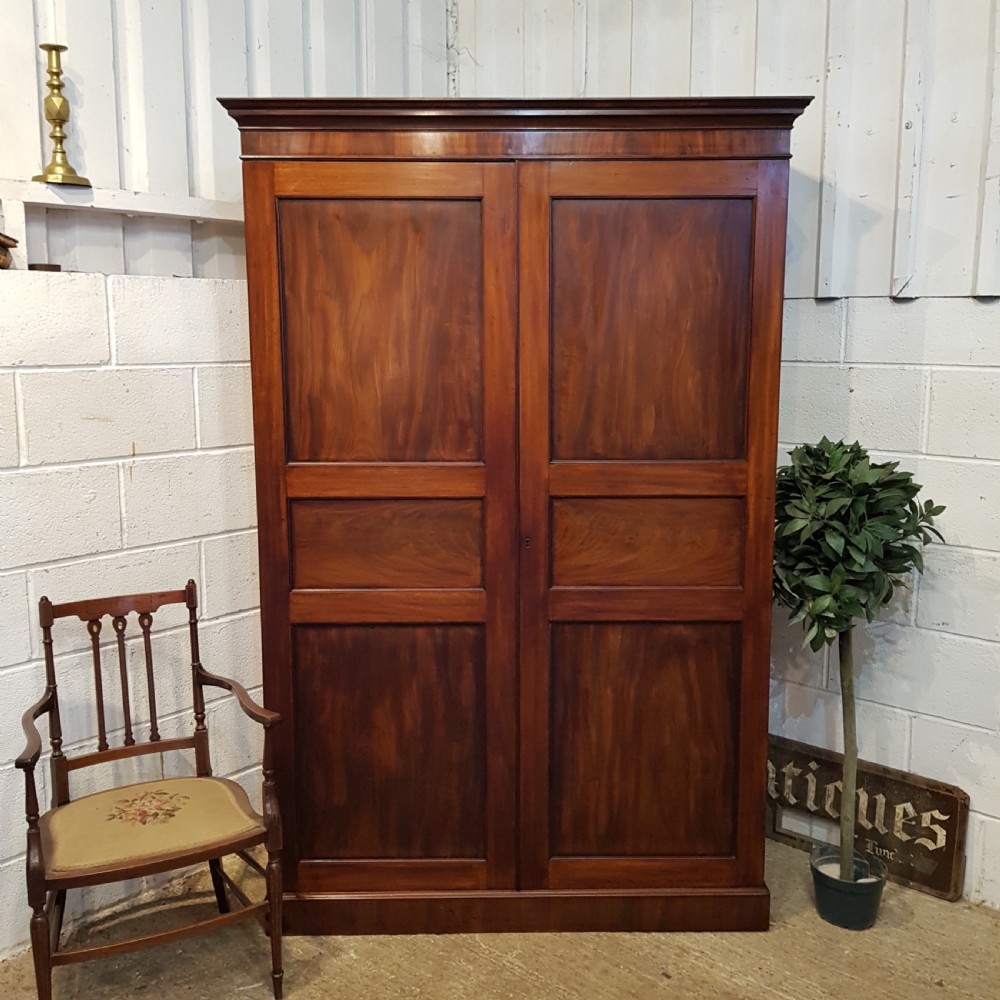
<point x="896" y="171"/>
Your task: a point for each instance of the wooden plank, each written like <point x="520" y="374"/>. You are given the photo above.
<point x="382" y="46"/>
<point x="862" y="129"/>
<point x="791" y="51"/>
<point x="154" y="127"/>
<point x="22" y="152"/>
<point x="463" y="14"/>
<point x="91" y="67"/>
<point x="906" y="282"/>
<point x="956" y="121"/>
<point x="499" y="52"/>
<point x="723" y="47"/>
<point x="987" y="277"/>
<point x="426" y="48"/>
<point x="394" y="606"/>
<point x="158" y="246"/>
<point x="548" y="58"/>
<point x="154" y="132"/>
<point x="216" y="67"/>
<point x="567" y="479"/>
<point x="833" y="210"/>
<point x="115" y="200"/>
<point x="427" y="479"/>
<point x="661" y="48"/>
<point x="608" y="68"/>
<point x="917" y="826"/>
<point x="330" y="31"/>
<point x="275" y="67"/>
<point x="653" y="604"/>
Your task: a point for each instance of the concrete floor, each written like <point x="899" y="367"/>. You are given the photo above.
<point x="921" y="949"/>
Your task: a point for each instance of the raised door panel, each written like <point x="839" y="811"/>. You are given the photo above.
<point x="649" y="339"/>
<point x="649" y="332"/>
<point x="383" y="329"/>
<point x="393" y="311"/>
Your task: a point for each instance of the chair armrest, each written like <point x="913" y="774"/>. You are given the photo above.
<point x="258" y="713"/>
<point x="33" y="745"/>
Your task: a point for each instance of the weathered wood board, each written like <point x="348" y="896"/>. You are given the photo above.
<point x="915" y="825"/>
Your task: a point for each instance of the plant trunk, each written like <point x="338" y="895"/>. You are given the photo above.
<point x="848" y="795"/>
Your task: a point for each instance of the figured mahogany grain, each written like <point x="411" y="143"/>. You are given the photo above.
<point x="643" y="739"/>
<point x="650" y="302"/>
<point x="382" y="329"/>
<point x="387" y="543"/>
<point x="647" y="542"/>
<point x="390" y="722"/>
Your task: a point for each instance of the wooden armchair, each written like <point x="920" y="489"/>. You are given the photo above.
<point x="153" y="826"/>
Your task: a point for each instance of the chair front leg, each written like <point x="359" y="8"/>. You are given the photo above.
<point x="40" y="952"/>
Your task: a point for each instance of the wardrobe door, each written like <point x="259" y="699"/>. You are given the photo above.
<point x="383" y="361"/>
<point x="650" y="327"/>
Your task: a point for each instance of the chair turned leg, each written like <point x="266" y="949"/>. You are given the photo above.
<point x="274" y="920"/>
<point x="40" y="954"/>
<point x="215" y="867"/>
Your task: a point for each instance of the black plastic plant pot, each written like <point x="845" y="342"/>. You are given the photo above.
<point x="853" y="905"/>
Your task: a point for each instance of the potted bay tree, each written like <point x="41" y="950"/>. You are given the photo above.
<point x="848" y="532"/>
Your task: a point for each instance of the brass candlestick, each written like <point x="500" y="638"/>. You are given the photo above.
<point x="59" y="170"/>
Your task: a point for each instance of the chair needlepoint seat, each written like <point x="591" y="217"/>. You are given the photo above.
<point x="148" y="821"/>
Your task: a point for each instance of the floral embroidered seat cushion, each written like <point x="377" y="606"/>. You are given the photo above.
<point x="145" y="821"/>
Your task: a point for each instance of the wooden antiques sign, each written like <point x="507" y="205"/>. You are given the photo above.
<point x="916" y="826"/>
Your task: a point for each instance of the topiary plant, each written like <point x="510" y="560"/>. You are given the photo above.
<point x="847" y="532"/>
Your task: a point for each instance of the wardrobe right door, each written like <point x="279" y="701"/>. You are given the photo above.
<point x="650" y="313"/>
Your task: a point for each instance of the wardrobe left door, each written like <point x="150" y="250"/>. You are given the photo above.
<point x="383" y="318"/>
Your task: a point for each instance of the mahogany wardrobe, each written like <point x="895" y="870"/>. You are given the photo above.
<point x="515" y="379"/>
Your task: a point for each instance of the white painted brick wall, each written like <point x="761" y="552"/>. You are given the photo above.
<point x="8" y="421"/>
<point x="53" y="319"/>
<point x="225" y="416"/>
<point x="965" y="413"/>
<point x="152" y="324"/>
<point x="124" y="467"/>
<point x="917" y="382"/>
<point x="73" y="416"/>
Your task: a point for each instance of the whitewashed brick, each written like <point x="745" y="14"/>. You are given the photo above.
<point x="186" y="496"/>
<point x="14" y="933"/>
<point x="965" y="413"/>
<point x="237" y="741"/>
<point x="12" y="830"/>
<point x="816" y="717"/>
<point x="790" y="660"/>
<point x="16" y="620"/>
<point x="225" y="412"/>
<point x="812" y="330"/>
<point x="982" y="876"/>
<point x="960" y="592"/>
<point x="178" y="320"/>
<point x="969" y="490"/>
<point x="881" y="408"/>
<point x="80" y="415"/>
<point x="58" y="514"/>
<point x="231" y="575"/>
<point x="53" y="319"/>
<point x="948" y="676"/>
<point x="969" y="758"/>
<point x="952" y="331"/>
<point x="8" y="422"/>
<point x="168" y="567"/>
